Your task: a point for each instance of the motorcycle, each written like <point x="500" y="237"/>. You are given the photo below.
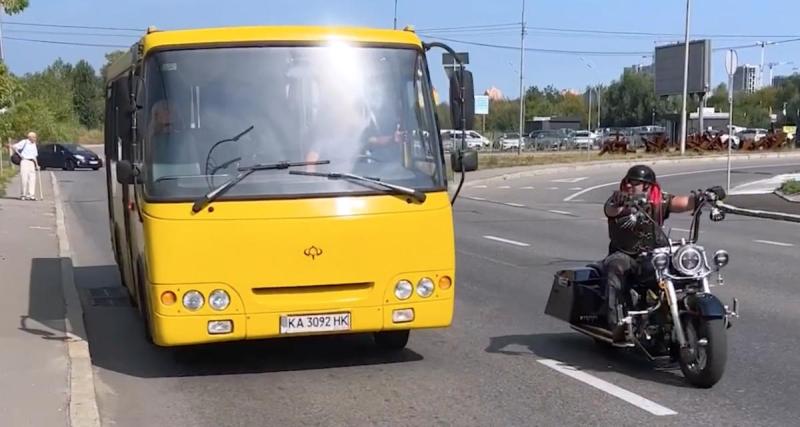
<point x="669" y="313"/>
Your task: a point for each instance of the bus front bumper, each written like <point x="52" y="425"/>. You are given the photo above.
<point x="187" y="329"/>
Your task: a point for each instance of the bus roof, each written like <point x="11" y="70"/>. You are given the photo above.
<point x="155" y="39"/>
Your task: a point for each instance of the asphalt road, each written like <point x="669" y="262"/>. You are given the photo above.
<point x="494" y="365"/>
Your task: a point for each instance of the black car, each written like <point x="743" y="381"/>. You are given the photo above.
<point x="68" y="157"/>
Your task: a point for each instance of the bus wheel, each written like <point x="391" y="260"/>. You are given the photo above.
<point x="392" y="340"/>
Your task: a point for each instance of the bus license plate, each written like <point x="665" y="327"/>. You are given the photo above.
<point x="315" y="323"/>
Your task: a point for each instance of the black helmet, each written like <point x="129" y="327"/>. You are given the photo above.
<point x="641" y="173"/>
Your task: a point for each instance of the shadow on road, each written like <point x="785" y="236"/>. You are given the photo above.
<point x="581" y="352"/>
<point x="117" y="342"/>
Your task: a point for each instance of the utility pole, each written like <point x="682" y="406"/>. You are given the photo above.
<point x="521" y="91"/>
<point x="2" y="48"/>
<point x="597" y="92"/>
<point x="395" y="14"/>
<point x="685" y="79"/>
<point x="761" y="68"/>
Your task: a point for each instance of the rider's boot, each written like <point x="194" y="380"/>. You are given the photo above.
<point x="614" y="325"/>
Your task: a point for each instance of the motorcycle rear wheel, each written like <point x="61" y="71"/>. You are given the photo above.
<point x="709" y="360"/>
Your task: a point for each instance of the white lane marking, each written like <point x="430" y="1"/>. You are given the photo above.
<point x="36" y="227"/>
<point x="552" y="188"/>
<point x="475" y="198"/>
<point x="504" y="187"/>
<point x="481" y="186"/>
<point x="608" y="184"/>
<point x="528" y="187"/>
<point x="510" y="242"/>
<point x="570" y="180"/>
<point x="486" y="258"/>
<point x="619" y="392"/>
<point x="575" y="188"/>
<point x="560" y="212"/>
<point x="683" y="230"/>
<point x="516" y="205"/>
<point x="770" y="242"/>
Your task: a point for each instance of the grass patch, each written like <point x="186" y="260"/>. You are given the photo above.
<point x="791" y="186"/>
<point x="8" y="172"/>
<point x="90" y="136"/>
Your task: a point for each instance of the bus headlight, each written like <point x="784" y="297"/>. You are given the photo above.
<point x="403" y="289"/>
<point x="193" y="300"/>
<point x="219" y="300"/>
<point x="425" y="287"/>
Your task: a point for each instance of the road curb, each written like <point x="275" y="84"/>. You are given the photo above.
<point x="565" y="167"/>
<point x="83" y="410"/>
<point x="790" y="199"/>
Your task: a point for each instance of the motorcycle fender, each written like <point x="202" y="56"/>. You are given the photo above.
<point x="705" y="305"/>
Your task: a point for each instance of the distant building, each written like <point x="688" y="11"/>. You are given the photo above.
<point x="745" y="79"/>
<point x="640" y="69"/>
<point x="779" y="80"/>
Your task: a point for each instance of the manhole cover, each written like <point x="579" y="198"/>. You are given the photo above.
<point x="113" y="296"/>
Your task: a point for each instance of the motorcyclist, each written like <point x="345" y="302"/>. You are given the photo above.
<point x="630" y="239"/>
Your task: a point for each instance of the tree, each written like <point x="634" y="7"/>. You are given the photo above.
<point x="86" y="91"/>
<point x="110" y="58"/>
<point x="34" y="115"/>
<point x="631" y="101"/>
<point x="54" y="87"/>
<point x="503" y="116"/>
<point x="13" y="7"/>
<point x="719" y="98"/>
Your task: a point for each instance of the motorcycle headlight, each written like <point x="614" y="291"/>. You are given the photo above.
<point x="721" y="258"/>
<point x="688" y="260"/>
<point x="661" y="262"/>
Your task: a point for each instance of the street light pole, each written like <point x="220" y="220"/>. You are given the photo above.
<point x="685" y="79"/>
<point x="521" y="93"/>
<point x="395" y="14"/>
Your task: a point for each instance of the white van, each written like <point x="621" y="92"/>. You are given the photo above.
<point x="473" y="139"/>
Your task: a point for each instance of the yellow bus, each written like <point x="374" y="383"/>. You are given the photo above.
<point x="277" y="181"/>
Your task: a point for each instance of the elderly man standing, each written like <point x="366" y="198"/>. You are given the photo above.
<point x="28" y="153"/>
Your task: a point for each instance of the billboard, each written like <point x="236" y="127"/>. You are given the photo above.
<point x="669" y="61"/>
<point x="481" y="104"/>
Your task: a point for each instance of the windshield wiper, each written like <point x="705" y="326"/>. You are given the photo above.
<point x="416" y="194"/>
<point x="244" y="172"/>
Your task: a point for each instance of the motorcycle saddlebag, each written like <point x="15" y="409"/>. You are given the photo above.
<point x="576" y="292"/>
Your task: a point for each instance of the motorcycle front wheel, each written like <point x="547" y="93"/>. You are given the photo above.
<point x="704" y="364"/>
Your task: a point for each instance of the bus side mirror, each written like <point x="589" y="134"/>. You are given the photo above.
<point x="455" y="100"/>
<point x="468" y="162"/>
<point x="126" y="172"/>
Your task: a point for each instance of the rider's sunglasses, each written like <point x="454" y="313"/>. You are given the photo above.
<point x="634" y="182"/>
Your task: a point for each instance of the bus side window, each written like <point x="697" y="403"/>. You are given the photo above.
<point x="110" y="126"/>
<point x="122" y="117"/>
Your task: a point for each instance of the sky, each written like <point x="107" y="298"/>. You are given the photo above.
<point x="551" y="25"/>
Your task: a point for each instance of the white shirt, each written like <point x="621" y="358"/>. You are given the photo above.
<point x="26" y="149"/>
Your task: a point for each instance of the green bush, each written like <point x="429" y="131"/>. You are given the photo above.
<point x="791" y="186"/>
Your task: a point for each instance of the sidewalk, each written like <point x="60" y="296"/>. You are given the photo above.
<point x="760" y="199"/>
<point x="34" y="365"/>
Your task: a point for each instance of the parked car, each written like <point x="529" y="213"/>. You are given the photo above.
<point x="548" y="140"/>
<point x="584" y="139"/>
<point x="508" y="141"/>
<point x="473" y="139"/>
<point x="68" y="157"/>
<point x="754" y="134"/>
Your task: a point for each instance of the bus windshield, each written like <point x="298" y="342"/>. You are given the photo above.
<point x="210" y="111"/>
